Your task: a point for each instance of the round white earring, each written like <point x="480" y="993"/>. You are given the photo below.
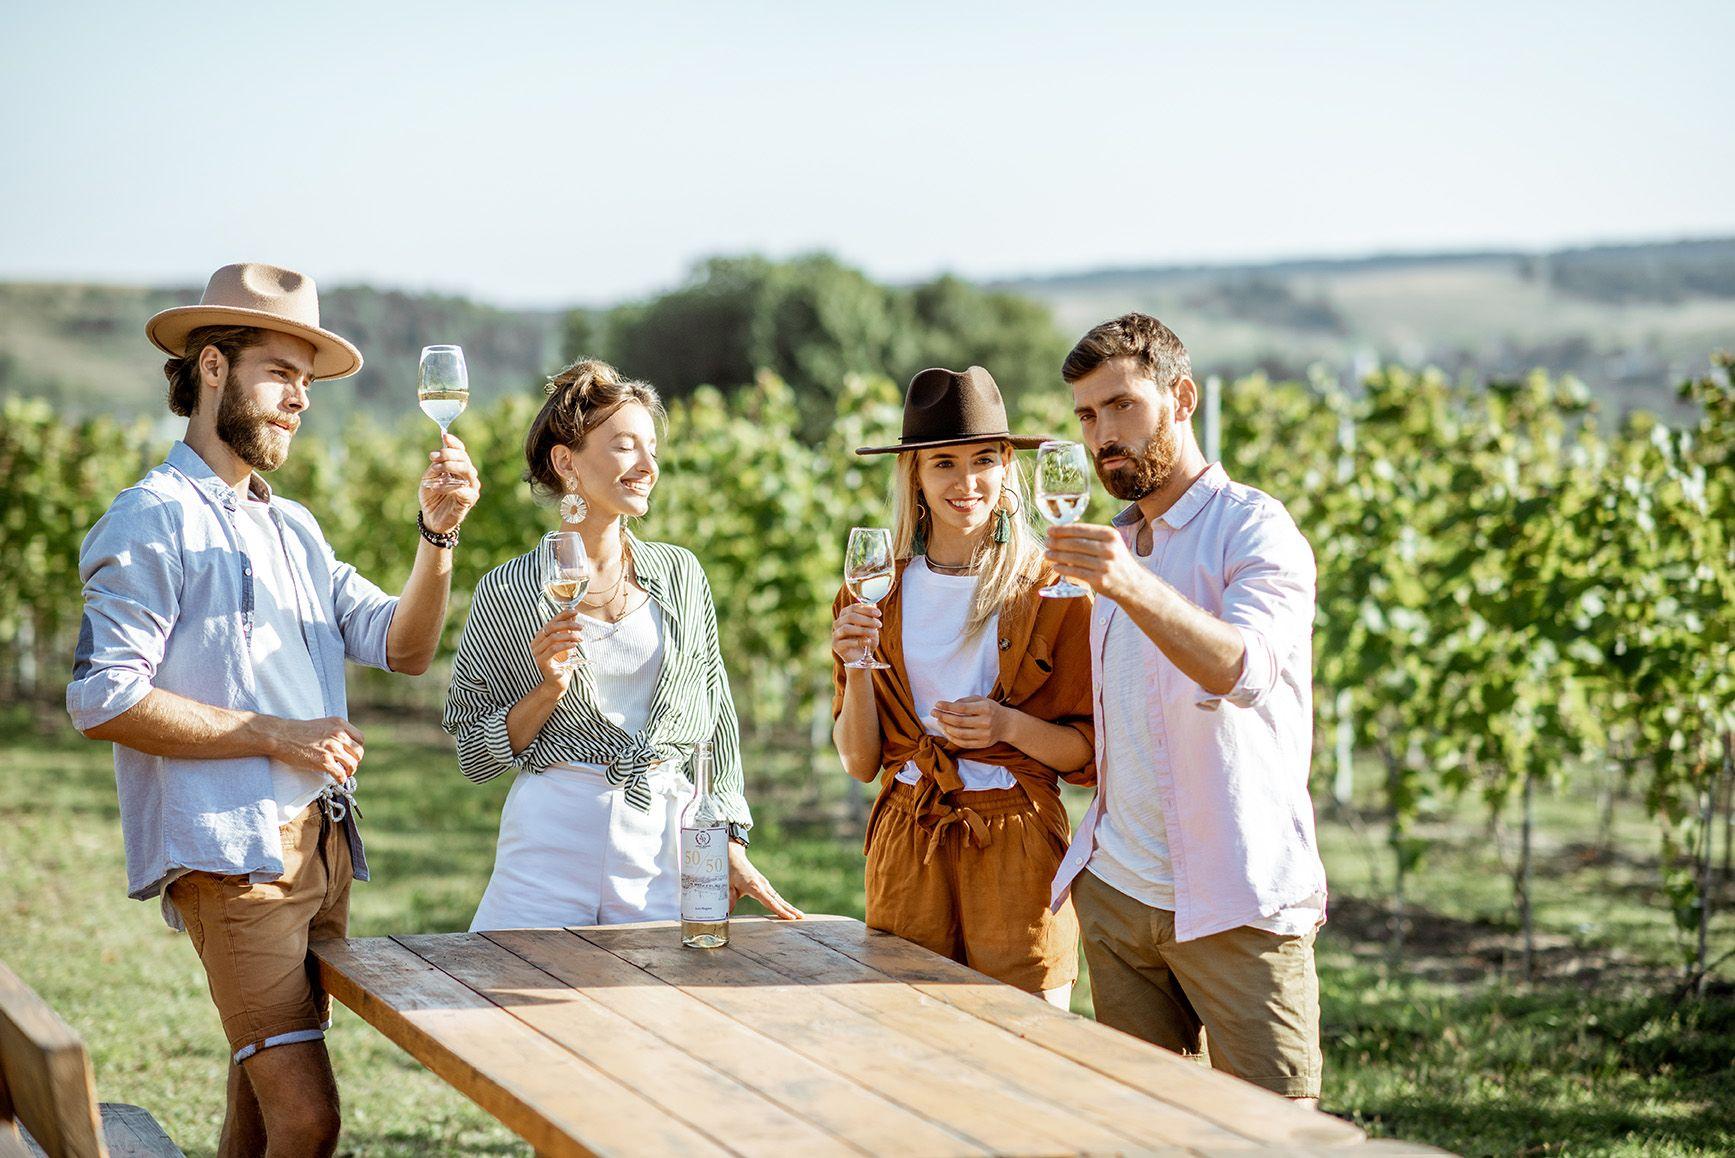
<point x="573" y="508"/>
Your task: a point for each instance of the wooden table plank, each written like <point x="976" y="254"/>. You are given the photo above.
<point x="558" y="1103"/>
<point x="936" y="1084"/>
<point x="683" y="1084"/>
<point x="854" y="1113"/>
<point x="1131" y="1114"/>
<point x="1224" y="1100"/>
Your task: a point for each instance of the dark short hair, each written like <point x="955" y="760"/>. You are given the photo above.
<point x="183" y="372"/>
<point x="1156" y="349"/>
<point x="580" y="399"/>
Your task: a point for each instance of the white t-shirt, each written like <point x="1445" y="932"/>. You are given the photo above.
<point x="283" y="676"/>
<point x="942" y="664"/>
<point x="1132" y="837"/>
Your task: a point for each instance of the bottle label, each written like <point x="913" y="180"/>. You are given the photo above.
<point x="705" y="874"/>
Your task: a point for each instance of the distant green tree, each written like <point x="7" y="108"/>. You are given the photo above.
<point x="814" y="322"/>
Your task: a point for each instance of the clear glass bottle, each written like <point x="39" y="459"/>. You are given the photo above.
<point x="704" y="862"/>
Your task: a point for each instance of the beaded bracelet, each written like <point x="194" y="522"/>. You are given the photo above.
<point x="445" y="540"/>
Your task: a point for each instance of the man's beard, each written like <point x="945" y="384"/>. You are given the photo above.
<point x="1148" y="468"/>
<point x="247" y="429"/>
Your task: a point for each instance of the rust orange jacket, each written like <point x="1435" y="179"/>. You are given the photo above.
<point x="1044" y="672"/>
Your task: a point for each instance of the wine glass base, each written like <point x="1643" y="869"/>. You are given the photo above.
<point x="868" y="665"/>
<point x="1064" y="589"/>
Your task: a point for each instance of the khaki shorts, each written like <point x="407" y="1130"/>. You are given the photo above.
<point x="979" y="899"/>
<point x="252" y="936"/>
<point x="1250" y="997"/>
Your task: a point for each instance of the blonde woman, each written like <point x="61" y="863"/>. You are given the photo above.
<point x="985" y="705"/>
<point x="600" y="753"/>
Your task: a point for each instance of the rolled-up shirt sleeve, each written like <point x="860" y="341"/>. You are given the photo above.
<point x="364" y="613"/>
<point x="1268" y="597"/>
<point x="130" y="567"/>
<point x="477" y="703"/>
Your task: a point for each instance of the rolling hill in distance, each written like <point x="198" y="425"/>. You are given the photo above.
<point x="1632" y="321"/>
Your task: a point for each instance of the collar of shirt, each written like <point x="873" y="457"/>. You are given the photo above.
<point x="188" y="462"/>
<point x="1196" y="498"/>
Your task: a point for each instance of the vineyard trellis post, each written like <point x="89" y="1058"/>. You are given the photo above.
<point x="1343" y="777"/>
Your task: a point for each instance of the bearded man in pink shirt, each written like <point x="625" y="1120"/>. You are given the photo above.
<point x="1195" y="873"/>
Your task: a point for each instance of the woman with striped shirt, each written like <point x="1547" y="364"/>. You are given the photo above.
<point x="589" y="831"/>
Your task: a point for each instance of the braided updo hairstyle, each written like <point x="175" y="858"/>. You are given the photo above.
<point x="580" y="398"/>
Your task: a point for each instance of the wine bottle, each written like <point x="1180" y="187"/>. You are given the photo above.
<point x="704" y="862"/>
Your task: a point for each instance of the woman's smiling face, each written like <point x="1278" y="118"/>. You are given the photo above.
<point x="616" y="468"/>
<point x="961" y="484"/>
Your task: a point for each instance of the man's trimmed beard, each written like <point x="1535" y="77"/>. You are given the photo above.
<point x="1148" y="468"/>
<point x="247" y="429"/>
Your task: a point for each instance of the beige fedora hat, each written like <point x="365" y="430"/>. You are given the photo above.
<point x="264" y="296"/>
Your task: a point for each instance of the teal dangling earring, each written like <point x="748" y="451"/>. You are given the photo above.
<point x="1003" y="525"/>
<point x="919" y="545"/>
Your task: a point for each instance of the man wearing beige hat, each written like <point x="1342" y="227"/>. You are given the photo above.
<point x="216" y="625"/>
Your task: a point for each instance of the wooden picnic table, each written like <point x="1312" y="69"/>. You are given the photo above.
<point x="815" y="1037"/>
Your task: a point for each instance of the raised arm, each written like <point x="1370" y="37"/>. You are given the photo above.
<point x="1268" y="602"/>
<point x="449" y="488"/>
<point x="1207" y="650"/>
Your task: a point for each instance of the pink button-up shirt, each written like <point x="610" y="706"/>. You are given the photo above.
<point x="1232" y="770"/>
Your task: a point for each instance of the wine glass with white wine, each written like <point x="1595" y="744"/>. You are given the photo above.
<point x="868" y="569"/>
<point x="1062" y="493"/>
<point x="565" y="579"/>
<point x="443" y="387"/>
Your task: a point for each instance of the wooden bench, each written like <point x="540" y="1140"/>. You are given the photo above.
<point x="46" y="1088"/>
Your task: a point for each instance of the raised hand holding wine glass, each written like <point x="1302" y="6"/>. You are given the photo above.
<point x="443" y="389"/>
<point x="868" y="570"/>
<point x="1063" y="475"/>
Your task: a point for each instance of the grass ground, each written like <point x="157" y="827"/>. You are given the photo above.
<point x="1450" y="1046"/>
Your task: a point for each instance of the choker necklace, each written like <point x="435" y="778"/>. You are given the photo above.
<point x="946" y="569"/>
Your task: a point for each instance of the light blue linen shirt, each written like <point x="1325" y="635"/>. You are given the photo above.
<point x="169" y="603"/>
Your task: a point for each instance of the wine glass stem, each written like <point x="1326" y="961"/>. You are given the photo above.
<point x="866" y="651"/>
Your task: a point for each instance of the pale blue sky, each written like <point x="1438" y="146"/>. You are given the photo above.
<point x="546" y="153"/>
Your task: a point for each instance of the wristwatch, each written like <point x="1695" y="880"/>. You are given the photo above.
<point x="738" y="833"/>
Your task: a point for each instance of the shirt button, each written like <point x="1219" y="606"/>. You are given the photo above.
<point x="248" y="571"/>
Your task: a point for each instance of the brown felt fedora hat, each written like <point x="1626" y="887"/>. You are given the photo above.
<point x="266" y="297"/>
<point x="948" y="408"/>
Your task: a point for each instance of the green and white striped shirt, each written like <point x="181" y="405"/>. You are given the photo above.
<point x="494" y="670"/>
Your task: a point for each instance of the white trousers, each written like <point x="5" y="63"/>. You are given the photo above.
<point x="572" y="851"/>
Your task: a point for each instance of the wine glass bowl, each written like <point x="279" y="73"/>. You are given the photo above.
<point x="565" y="580"/>
<point x="443" y="387"/>
<point x="1062" y="494"/>
<point x="868" y="570"/>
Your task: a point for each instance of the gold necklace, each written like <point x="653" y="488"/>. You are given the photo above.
<point x="619" y="587"/>
<point x="614" y="625"/>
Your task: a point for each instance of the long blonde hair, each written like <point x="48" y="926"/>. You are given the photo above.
<point x="1003" y="570"/>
